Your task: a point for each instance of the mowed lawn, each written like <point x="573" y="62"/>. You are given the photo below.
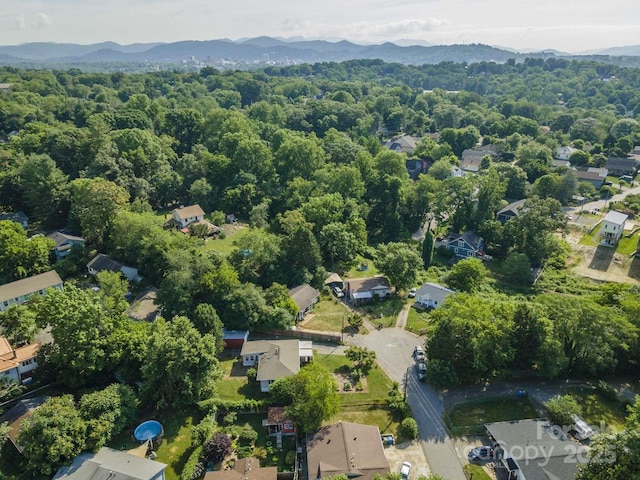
<point x="227" y="245"/>
<point x="417" y="321"/>
<point x="467" y="417"/>
<point x="234" y="384"/>
<point x="328" y="315"/>
<point x="599" y="410"/>
<point x="383" y="313"/>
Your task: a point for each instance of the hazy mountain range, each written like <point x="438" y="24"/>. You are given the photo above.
<point x="263" y="50"/>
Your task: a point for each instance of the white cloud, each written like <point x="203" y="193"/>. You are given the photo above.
<point x="42" y="20"/>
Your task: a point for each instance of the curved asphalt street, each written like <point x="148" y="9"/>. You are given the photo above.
<point x="393" y="347"/>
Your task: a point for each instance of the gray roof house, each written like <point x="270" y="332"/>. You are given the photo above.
<point x="431" y="295"/>
<point x="18" y="217"/>
<point x="622" y="166"/>
<point x="563" y="153"/>
<point x="612" y="228"/>
<point x="360" y="290"/>
<point x="101" y="262"/>
<point x="64" y="243"/>
<point x="403" y="144"/>
<point x="510" y="211"/>
<point x="305" y="296"/>
<point x="465" y="245"/>
<point x="344" y="448"/>
<point x="536" y="450"/>
<point x="594" y="178"/>
<point x="110" y="464"/>
<point x="20" y="291"/>
<point x="275" y="358"/>
<point x="17" y="415"/>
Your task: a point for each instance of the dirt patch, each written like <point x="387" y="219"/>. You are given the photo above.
<point x="347" y="384"/>
<point x="602" y="263"/>
<point x="407" y="452"/>
<point x="144" y="308"/>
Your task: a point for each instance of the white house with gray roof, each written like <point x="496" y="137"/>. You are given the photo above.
<point x="612" y="228"/>
<point x="110" y="464"/>
<point x="431" y="295"/>
<point x="275" y="359"/>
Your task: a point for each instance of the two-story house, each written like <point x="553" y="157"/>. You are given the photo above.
<point x="20" y="291"/>
<point x="64" y="243"/>
<point x="612" y="228"/>
<point x="184" y="216"/>
<point x="18" y="363"/>
<point x="465" y="245"/>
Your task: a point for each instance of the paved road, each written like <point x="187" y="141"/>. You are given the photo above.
<point x="393" y="347"/>
<point x="601" y="204"/>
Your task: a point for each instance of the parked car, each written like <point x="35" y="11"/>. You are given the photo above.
<point x="581" y="430"/>
<point x="412" y="292"/>
<point x="483" y="453"/>
<point x="417" y="350"/>
<point x="337" y="292"/>
<point x="405" y="470"/>
<point x="422" y="371"/>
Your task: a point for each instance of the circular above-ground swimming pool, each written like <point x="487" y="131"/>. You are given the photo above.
<point x="148" y="430"/>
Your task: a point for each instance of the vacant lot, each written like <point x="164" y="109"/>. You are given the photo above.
<point x="328" y="315"/>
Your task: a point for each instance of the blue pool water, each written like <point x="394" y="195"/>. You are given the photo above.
<point x="147" y="430"/>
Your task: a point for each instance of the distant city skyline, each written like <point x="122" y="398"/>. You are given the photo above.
<point x="567" y="25"/>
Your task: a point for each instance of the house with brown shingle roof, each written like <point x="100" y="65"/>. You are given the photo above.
<point x="18" y="363"/>
<point x="360" y="290"/>
<point x="20" y="291"/>
<point x="245" y="469"/>
<point x="275" y="358"/>
<point x="17" y="415"/>
<point x="345" y="448"/>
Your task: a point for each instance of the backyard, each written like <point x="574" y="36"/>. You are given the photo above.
<point x="328" y="315"/>
<point x="469" y="417"/>
<point x="600" y="410"/>
<point x="233" y="233"/>
<point x="383" y="313"/>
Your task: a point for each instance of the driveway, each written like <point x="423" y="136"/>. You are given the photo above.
<point x="393" y="347"/>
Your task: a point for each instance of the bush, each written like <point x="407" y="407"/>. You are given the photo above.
<point x="252" y="373"/>
<point x="244" y="452"/>
<point x="561" y="408"/>
<point x="248" y="436"/>
<point x="230" y="418"/>
<point x="399" y="407"/>
<point x="217" y="448"/>
<point x="290" y="459"/>
<point x="204" y="430"/>
<point x="409" y="428"/>
<point x="191" y="466"/>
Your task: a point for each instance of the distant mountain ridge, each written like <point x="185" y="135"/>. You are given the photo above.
<point x="267" y="50"/>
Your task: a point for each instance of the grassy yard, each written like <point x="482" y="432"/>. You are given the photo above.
<point x="274" y="457"/>
<point x="175" y="448"/>
<point x="476" y="472"/>
<point x="599" y="410"/>
<point x="378" y="384"/>
<point x="417" y="321"/>
<point x="628" y="245"/>
<point x="235" y="385"/>
<point x="226" y="245"/>
<point x="327" y="316"/>
<point x="469" y="417"/>
<point x="371" y="415"/>
<point x="383" y="312"/>
<point x="369" y="272"/>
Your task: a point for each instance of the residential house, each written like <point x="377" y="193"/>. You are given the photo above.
<point x="603" y="172"/>
<point x="431" y="295"/>
<point x="182" y="217"/>
<point x="510" y="211"/>
<point x="244" y="469"/>
<point x="17" y="415"/>
<point x="110" y="464"/>
<point x="403" y="144"/>
<point x="275" y="359"/>
<point x="560" y="163"/>
<point x="234" y="339"/>
<point x="456" y="171"/>
<point x="416" y="166"/>
<point x="101" y="262"/>
<point x="359" y="290"/>
<point x="594" y="178"/>
<point x="18" y="217"/>
<point x="563" y="153"/>
<point x="20" y="291"/>
<point x="18" y="363"/>
<point x="478" y="153"/>
<point x="465" y="245"/>
<point x="535" y="449"/>
<point x="349" y="449"/>
<point x="622" y="166"/>
<point x="64" y="243"/>
<point x="305" y="297"/>
<point x="5" y="87"/>
<point x="278" y="423"/>
<point x="471" y="165"/>
<point x="612" y="228"/>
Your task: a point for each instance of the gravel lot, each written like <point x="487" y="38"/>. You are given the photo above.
<point x="410" y="452"/>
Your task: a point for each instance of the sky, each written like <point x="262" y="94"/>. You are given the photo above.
<point x="565" y="25"/>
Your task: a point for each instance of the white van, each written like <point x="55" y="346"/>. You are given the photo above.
<point x="581" y="430"/>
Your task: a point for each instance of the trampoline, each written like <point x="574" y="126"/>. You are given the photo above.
<point x="149" y="430"/>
